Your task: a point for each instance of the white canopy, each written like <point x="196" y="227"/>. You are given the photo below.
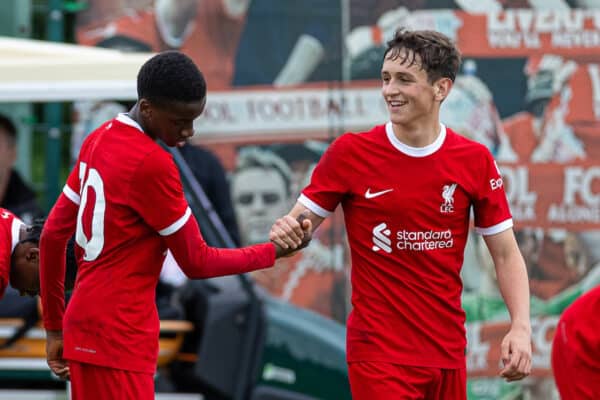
<point x="38" y="71"/>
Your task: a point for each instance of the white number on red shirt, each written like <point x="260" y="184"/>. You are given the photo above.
<point x="93" y="245"/>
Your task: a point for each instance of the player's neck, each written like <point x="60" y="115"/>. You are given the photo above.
<point x="136" y="115"/>
<point x="418" y="133"/>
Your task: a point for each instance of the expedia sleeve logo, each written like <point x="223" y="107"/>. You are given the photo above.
<point x="496" y="183"/>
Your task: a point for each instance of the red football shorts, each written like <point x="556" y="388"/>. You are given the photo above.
<point x="575" y="380"/>
<point x="93" y="382"/>
<point x="385" y="381"/>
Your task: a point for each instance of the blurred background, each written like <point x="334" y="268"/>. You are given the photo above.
<point x="285" y="78"/>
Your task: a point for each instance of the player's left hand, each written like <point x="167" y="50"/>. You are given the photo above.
<point x="516" y="354"/>
<point x="54" y="349"/>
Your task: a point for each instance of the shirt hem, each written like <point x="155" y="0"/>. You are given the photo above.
<point x="149" y="368"/>
<point x="415" y="362"/>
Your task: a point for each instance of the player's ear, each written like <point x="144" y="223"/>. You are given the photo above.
<point x="32" y="254"/>
<point x="145" y="108"/>
<point x="442" y="88"/>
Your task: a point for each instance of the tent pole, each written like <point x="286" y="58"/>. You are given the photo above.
<point x="52" y="113"/>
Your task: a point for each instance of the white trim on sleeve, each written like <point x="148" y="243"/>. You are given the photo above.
<point x="71" y="194"/>
<point x="15" y="231"/>
<point x="492" y="230"/>
<point x="175" y="226"/>
<point x="314" y="207"/>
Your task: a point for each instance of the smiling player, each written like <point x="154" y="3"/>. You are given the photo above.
<point x="407" y="189"/>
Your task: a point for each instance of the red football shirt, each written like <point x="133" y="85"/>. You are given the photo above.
<point x="127" y="199"/>
<point x="581" y="328"/>
<point x="407" y="216"/>
<point x="10" y="227"/>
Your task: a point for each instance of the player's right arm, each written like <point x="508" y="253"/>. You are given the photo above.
<point x="198" y="260"/>
<point x="328" y="185"/>
<point x="157" y="196"/>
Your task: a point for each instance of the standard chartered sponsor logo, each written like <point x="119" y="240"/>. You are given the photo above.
<point x="381" y="238"/>
<point x="411" y="240"/>
<point x="424" y="240"/>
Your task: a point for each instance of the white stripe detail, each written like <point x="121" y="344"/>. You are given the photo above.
<point x="314" y="207"/>
<point x="71" y="195"/>
<point x="15" y="232"/>
<point x="127" y="120"/>
<point x="175" y="226"/>
<point x="492" y="230"/>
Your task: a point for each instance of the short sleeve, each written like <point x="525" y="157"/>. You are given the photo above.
<point x="490" y="206"/>
<point x="72" y="188"/>
<point x="329" y="181"/>
<point x="157" y="195"/>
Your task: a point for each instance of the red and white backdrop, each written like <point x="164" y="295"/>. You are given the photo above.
<point x="280" y="90"/>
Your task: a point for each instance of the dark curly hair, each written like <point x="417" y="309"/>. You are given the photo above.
<point x="171" y="76"/>
<point x="32" y="235"/>
<point x="34" y="231"/>
<point x="439" y="56"/>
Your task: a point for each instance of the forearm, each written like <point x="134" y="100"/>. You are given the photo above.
<point x="53" y="243"/>
<point x="198" y="260"/>
<point x="300" y="208"/>
<point x="514" y="287"/>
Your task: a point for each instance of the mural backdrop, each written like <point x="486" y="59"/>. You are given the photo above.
<point x="285" y="78"/>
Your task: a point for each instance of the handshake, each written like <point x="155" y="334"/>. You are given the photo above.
<point x="290" y="234"/>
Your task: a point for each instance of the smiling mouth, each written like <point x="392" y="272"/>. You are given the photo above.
<point x="397" y="103"/>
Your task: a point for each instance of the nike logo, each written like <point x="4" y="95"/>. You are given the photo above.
<point x="370" y="195"/>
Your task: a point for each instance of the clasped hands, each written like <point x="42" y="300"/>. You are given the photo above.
<point x="290" y="234"/>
